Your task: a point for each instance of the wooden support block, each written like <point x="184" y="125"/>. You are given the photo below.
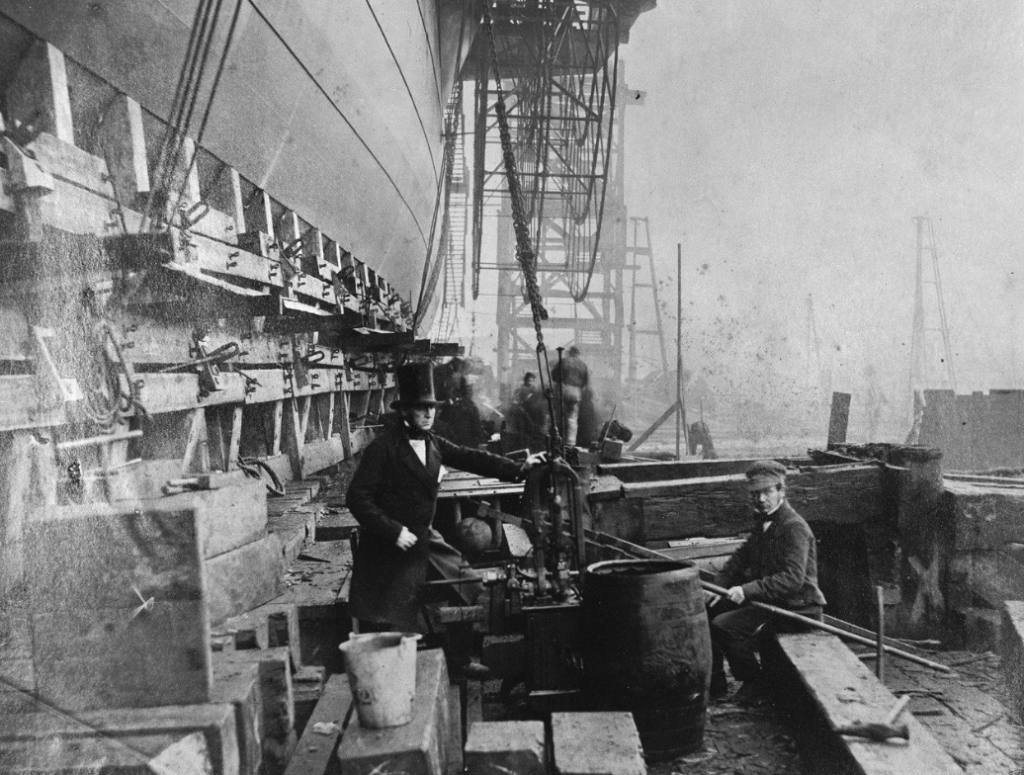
<point x="315" y="750"/>
<point x="605" y="743"/>
<point x="987" y="516"/>
<point x="272" y="625"/>
<point x="238" y="684"/>
<point x="130" y="727"/>
<point x="41" y="85"/>
<point x="277" y="721"/>
<point x="125" y="144"/>
<point x="1012" y="651"/>
<point x="505" y="748"/>
<point x="841" y="691"/>
<point x="118" y="609"/>
<point x="420" y="747"/>
<point x="308" y="684"/>
<point x="142" y="755"/>
<point x="230" y="516"/>
<point x="244" y="578"/>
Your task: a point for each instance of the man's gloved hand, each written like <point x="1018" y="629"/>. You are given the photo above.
<point x="736" y="595"/>
<point x="406" y="539"/>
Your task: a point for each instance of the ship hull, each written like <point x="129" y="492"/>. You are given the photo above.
<point x="334" y="109"/>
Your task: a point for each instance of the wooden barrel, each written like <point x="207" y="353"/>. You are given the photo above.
<point x="647" y="649"/>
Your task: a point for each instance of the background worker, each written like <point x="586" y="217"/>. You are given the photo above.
<point x="778" y="565"/>
<point x="572" y="378"/>
<point x="393" y="496"/>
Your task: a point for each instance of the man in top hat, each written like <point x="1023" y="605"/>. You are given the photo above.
<point x="393" y="495"/>
<point x="778" y="565"/>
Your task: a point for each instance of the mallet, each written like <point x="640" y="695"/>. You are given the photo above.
<point x="877" y="731"/>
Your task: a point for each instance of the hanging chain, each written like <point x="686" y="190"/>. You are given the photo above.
<point x="525" y="254"/>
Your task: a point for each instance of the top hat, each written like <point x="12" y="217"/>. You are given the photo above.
<point x="764" y="474"/>
<point x="415" y="386"/>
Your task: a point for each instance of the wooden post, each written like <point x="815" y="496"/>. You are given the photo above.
<point x="275" y="449"/>
<point x="198" y="444"/>
<point x="237" y="203"/>
<point x="40" y="88"/>
<point x="236" y="437"/>
<point x="346" y="426"/>
<point x="680" y="397"/>
<point x="880" y="645"/>
<point x="839" y="419"/>
<point x="125" y="150"/>
<point x="331" y="398"/>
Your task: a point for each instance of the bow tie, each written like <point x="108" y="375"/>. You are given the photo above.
<point x="416" y="433"/>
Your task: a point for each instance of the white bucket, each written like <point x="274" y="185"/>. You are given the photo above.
<point x="381" y="668"/>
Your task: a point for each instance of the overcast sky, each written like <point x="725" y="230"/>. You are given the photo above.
<point x="788" y="145"/>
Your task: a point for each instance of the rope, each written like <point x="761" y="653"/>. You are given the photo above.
<point x="186" y="92"/>
<point x="252" y="467"/>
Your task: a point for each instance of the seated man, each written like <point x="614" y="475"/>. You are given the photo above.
<point x="778" y="565"/>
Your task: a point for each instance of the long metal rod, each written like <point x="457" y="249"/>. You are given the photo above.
<point x="829" y="628"/>
<point x="680" y="410"/>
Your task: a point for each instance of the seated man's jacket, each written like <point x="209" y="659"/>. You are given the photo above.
<point x="779" y="565"/>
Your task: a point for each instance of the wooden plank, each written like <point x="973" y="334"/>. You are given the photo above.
<point x="87" y="578"/>
<point x="244" y="578"/>
<point x="315" y="750"/>
<point x="663" y="470"/>
<point x="843" y="692"/>
<point x="720" y="506"/>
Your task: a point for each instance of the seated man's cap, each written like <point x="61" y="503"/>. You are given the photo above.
<point x="765" y="473"/>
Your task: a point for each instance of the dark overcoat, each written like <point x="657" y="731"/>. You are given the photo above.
<point x="391" y="489"/>
<point x="778" y="565"/>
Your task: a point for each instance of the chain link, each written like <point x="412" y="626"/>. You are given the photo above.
<point x="525" y="254"/>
